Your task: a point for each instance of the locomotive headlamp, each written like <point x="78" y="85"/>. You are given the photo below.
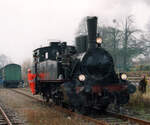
<point x="123" y="76"/>
<point x="98" y="40"/>
<point x="81" y="77"/>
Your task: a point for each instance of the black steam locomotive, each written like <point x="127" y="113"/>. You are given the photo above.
<point x="81" y="77"/>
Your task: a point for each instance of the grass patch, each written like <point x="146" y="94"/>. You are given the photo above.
<point x="140" y="102"/>
<point x="49" y="116"/>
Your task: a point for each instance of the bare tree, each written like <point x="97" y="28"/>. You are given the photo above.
<point x="116" y="37"/>
<point x="4" y="60"/>
<point x="146" y="37"/>
<point x="111" y="37"/>
<point x="128" y="35"/>
<point x="82" y="28"/>
<point x="27" y="64"/>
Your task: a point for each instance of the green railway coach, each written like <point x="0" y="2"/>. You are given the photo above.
<point x="10" y="75"/>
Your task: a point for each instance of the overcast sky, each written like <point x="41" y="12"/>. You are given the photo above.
<point x="27" y="24"/>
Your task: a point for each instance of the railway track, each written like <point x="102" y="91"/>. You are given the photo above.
<point x="110" y="118"/>
<point x="8" y="117"/>
<point x="4" y="120"/>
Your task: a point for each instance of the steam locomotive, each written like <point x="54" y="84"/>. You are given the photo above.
<point x="81" y="77"/>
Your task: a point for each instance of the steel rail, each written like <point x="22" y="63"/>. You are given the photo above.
<point x="29" y="96"/>
<point x="5" y="116"/>
<point x="133" y="119"/>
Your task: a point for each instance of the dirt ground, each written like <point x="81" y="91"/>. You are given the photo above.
<point x="36" y="113"/>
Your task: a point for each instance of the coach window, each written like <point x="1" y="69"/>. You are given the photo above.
<point x="46" y="55"/>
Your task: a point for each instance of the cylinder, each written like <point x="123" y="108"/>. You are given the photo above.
<point x="92" y="31"/>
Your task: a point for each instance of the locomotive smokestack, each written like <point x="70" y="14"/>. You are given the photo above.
<point x="92" y="30"/>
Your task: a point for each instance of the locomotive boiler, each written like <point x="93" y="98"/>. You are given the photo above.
<point x="82" y="76"/>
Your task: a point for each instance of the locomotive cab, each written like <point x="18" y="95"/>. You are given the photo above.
<point x="53" y="61"/>
<point x="46" y="53"/>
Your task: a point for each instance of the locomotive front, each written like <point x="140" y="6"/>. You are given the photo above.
<point x="97" y="84"/>
<point x="96" y="63"/>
